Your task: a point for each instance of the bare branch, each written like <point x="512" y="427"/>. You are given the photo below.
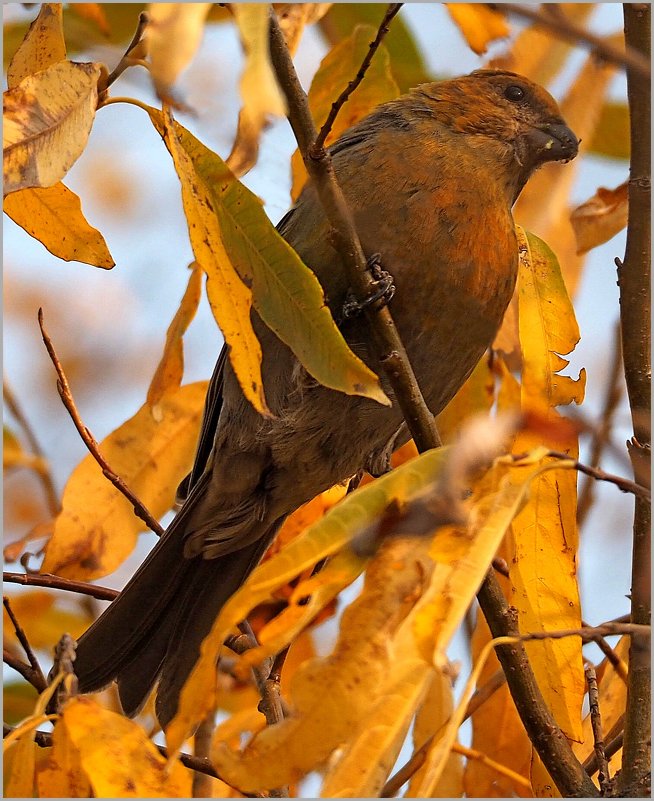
<point x="91" y="443"/>
<point x="57" y="583"/>
<point x="338" y="104"/>
<point x="546" y="16"/>
<point x="30" y="675"/>
<point x="22" y="639"/>
<point x="596" y="724"/>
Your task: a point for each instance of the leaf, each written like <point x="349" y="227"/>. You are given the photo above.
<point x="611" y="135"/>
<point x="63" y="776"/>
<point x="43" y="45"/>
<point x="53" y="215"/>
<point x="601" y="217"/>
<point x="95" y="13"/>
<point x="173" y="35"/>
<point x="475" y="396"/>
<point x="478" y="24"/>
<point x="43" y="619"/>
<point x="336" y="70"/>
<point x="324" y="538"/>
<point x="47" y="119"/>
<point x="96" y="529"/>
<point x="247" y="262"/>
<point x="170" y="370"/>
<point x="14" y="456"/>
<point x="18" y="699"/>
<point x="261" y="95"/>
<point x="294" y="17"/>
<point x="407" y="64"/>
<point x="351" y="679"/>
<point x="118" y="758"/>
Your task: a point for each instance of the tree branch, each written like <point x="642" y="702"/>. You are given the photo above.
<point x="635" y="317"/>
<point x="31" y="676"/>
<point x="57" y="583"/>
<point x="319" y="142"/>
<point x="22" y="639"/>
<point x="596" y="724"/>
<point x="548" y="16"/>
<point x="540" y="725"/>
<point x="388" y="345"/>
<point x="91" y="443"/>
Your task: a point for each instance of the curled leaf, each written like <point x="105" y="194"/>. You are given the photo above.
<point x="601" y="217"/>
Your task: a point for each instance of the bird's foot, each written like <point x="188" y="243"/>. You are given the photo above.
<point x="381" y="295"/>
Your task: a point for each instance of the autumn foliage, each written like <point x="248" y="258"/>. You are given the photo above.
<point x="367" y="652"/>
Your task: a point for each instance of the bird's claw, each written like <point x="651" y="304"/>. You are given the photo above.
<point x="383" y="290"/>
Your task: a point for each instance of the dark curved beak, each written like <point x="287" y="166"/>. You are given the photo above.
<point x="553" y="142"/>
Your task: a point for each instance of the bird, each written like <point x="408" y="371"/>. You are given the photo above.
<point x="430" y="179"/>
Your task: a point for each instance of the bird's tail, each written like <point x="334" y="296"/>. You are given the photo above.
<point x="156" y="625"/>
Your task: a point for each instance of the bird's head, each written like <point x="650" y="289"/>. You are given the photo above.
<point x="516" y="119"/>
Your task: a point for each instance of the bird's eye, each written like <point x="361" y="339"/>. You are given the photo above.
<point x="514" y="93"/>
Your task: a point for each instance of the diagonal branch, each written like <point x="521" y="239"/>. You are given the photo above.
<point x="91" y="443"/>
<point x="22" y="639"/>
<point x="337" y="105"/>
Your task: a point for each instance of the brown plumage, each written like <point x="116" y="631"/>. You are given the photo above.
<point x="430" y="179"/>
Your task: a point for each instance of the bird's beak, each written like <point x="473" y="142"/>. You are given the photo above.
<point x="553" y="142"/>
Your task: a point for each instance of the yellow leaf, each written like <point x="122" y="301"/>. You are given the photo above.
<point x="432" y="716"/>
<point x="336" y="70"/>
<point x="13" y="454"/>
<point x="478" y="24"/>
<point x="47" y="119"/>
<point x="43" y="45"/>
<point x="173" y="35"/>
<point x="548" y="327"/>
<point x="117" y="756"/>
<point x="247" y="262"/>
<point x="611" y="136"/>
<point x="53" y="215"/>
<point x="294" y="17"/>
<point x="43" y="620"/>
<point x="370" y="755"/>
<point x="351" y="679"/>
<point x="20" y="783"/>
<point x="170" y="370"/>
<point x="62" y="776"/>
<point x="601" y="217"/>
<point x="475" y="396"/>
<point x="96" y="529"/>
<point x="95" y="13"/>
<point x="324" y="538"/>
<point x="259" y="90"/>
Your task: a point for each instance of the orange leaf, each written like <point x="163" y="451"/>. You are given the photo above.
<point x="601" y="217"/>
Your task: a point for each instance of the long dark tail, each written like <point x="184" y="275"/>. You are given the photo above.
<point x="155" y="627"/>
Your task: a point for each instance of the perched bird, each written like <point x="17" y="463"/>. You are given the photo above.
<point x="430" y="179"/>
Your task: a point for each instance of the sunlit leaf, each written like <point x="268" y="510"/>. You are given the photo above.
<point x="170" y="370"/>
<point x="95" y="13"/>
<point x="294" y="17"/>
<point x="43" y="45"/>
<point x="260" y="93"/>
<point x="97" y="527"/>
<point x="43" y="620"/>
<point x="336" y="70"/>
<point x="475" y="396"/>
<point x="62" y="776"/>
<point x="13" y="454"/>
<point x="601" y="217"/>
<point x="478" y="24"/>
<point x="246" y="262"/>
<point x="47" y="119"/>
<point x="118" y="757"/>
<point x="53" y="215"/>
<point x="611" y="136"/>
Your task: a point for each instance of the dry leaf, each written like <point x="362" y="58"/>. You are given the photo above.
<point x="294" y="17"/>
<point x="261" y="95"/>
<point x="173" y="35"/>
<point x="47" y="119"/>
<point x="169" y="372"/>
<point x="601" y="217"/>
<point x="478" y="24"/>
<point x="53" y="215"/>
<point x="42" y="46"/>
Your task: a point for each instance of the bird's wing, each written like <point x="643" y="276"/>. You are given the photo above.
<point x="212" y="406"/>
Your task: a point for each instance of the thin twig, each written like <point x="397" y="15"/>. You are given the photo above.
<point x="387" y="343"/>
<point x="45" y="475"/>
<point x="479" y="756"/>
<point x="622" y="483"/>
<point x="565" y="28"/>
<point x="589" y="633"/>
<point x="91" y="443"/>
<point x="58" y="583"/>
<point x="22" y="639"/>
<point x="44" y="740"/>
<point x="596" y="725"/>
<point x="602" y="432"/>
<point x="634" y="278"/>
<point x="591" y="765"/>
<point x="611" y="656"/>
<point x="26" y="671"/>
<point x="417" y="760"/>
<point x="126" y="61"/>
<point x="337" y="105"/>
